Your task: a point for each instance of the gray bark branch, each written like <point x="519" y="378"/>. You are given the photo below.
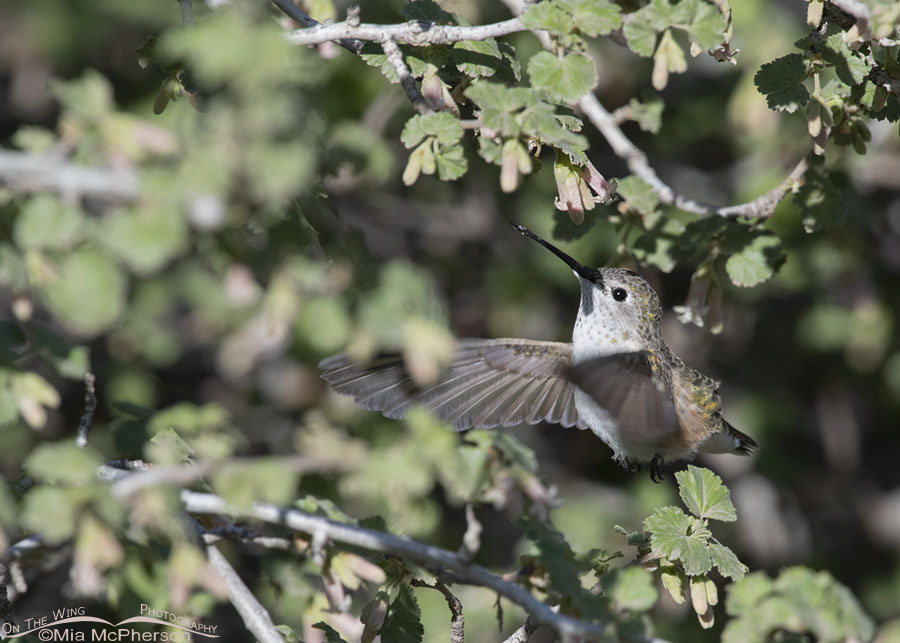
<point x="28" y="173"/>
<point x="420" y="553"/>
<point x="254" y="615"/>
<point x="416" y="32"/>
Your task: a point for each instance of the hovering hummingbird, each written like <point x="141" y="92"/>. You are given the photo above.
<point x="617" y="378"/>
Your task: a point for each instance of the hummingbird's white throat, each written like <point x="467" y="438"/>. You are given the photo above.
<point x="605" y="326"/>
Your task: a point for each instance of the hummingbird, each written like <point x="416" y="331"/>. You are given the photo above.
<point x="616" y="378"/>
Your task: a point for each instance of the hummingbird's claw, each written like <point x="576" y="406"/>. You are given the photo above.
<point x="632" y="466"/>
<point x="657" y="468"/>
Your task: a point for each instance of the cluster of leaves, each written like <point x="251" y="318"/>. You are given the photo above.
<point x="515" y="121"/>
<point x="843" y="78"/>
<point x="800" y="602"/>
<point x="682" y="547"/>
<point x="851" y="75"/>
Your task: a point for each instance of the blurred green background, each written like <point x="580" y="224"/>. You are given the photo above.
<point x="275" y="230"/>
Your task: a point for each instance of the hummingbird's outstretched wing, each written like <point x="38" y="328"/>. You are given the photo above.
<point x="490" y="383"/>
<point x="627" y="386"/>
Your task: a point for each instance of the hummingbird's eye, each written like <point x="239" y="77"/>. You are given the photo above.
<point x="619" y="294"/>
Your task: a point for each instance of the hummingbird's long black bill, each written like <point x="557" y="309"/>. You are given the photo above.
<point x="591" y="274"/>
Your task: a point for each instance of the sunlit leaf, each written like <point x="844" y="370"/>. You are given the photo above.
<point x="704" y="494"/>
<point x="567" y="78"/>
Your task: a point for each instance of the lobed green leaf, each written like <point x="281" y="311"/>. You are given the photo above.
<point x="677" y="536"/>
<point x="404" y="619"/>
<point x="756" y="261"/>
<point x="781" y="81"/>
<point x="704" y="495"/>
<point x="566" y="79"/>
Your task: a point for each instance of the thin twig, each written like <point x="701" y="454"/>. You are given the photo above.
<point x="294" y="13"/>
<point x="420" y="553"/>
<point x="30" y="173"/>
<point x="17" y="550"/>
<point x="90" y="405"/>
<point x="395" y="58"/>
<point x="218" y="534"/>
<point x="254" y="615"/>
<point x="457" y="622"/>
<point x="127" y="484"/>
<point x="415" y="32"/>
<point x="761" y="207"/>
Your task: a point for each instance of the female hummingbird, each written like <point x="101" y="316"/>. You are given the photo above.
<point x="617" y="378"/>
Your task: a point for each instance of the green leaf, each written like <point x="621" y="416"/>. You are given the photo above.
<point x="324" y="323"/>
<point x="781" y="81"/>
<point x="263" y="480"/>
<point x="32" y="393"/>
<point x="443" y="126"/>
<point x="677" y="536"/>
<point x="592" y="17"/>
<point x="34" y="140"/>
<point x="558" y="559"/>
<point x="756" y="262"/>
<point x="427" y="10"/>
<point x="631" y="588"/>
<point x="54" y="511"/>
<point x="69" y="360"/>
<point x="801" y="604"/>
<point x="404" y="619"/>
<point x="374" y="56"/>
<point x="642" y="26"/>
<point x="707" y="25"/>
<point x="657" y="247"/>
<point x="477" y="57"/>
<point x="13" y="274"/>
<point x="549" y="17"/>
<point x="647" y="113"/>
<point x="189" y="418"/>
<point x="451" y="163"/>
<point x="88" y="293"/>
<point x="638" y="194"/>
<point x="146" y="241"/>
<point x="726" y="561"/>
<point x="746" y="594"/>
<point x="46" y="222"/>
<point x="850" y="67"/>
<point x="704" y="495"/>
<point x="566" y="79"/>
<point x="63" y="462"/>
<point x="9" y="408"/>
<point x="517" y="453"/>
<point x="821" y="204"/>
<point x="90" y="95"/>
<point x="565" y="230"/>
<point x="427" y="60"/>
<point x="499" y="105"/>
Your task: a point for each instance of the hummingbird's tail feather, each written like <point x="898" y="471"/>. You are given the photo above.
<point x="745" y="444"/>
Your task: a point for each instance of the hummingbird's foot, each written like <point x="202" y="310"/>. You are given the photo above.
<point x="657" y="468"/>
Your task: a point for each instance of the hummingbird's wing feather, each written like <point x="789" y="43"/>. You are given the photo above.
<point x="626" y="386"/>
<point x="490" y="383"/>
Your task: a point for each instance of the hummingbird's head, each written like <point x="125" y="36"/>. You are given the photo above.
<point x="619" y="310"/>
